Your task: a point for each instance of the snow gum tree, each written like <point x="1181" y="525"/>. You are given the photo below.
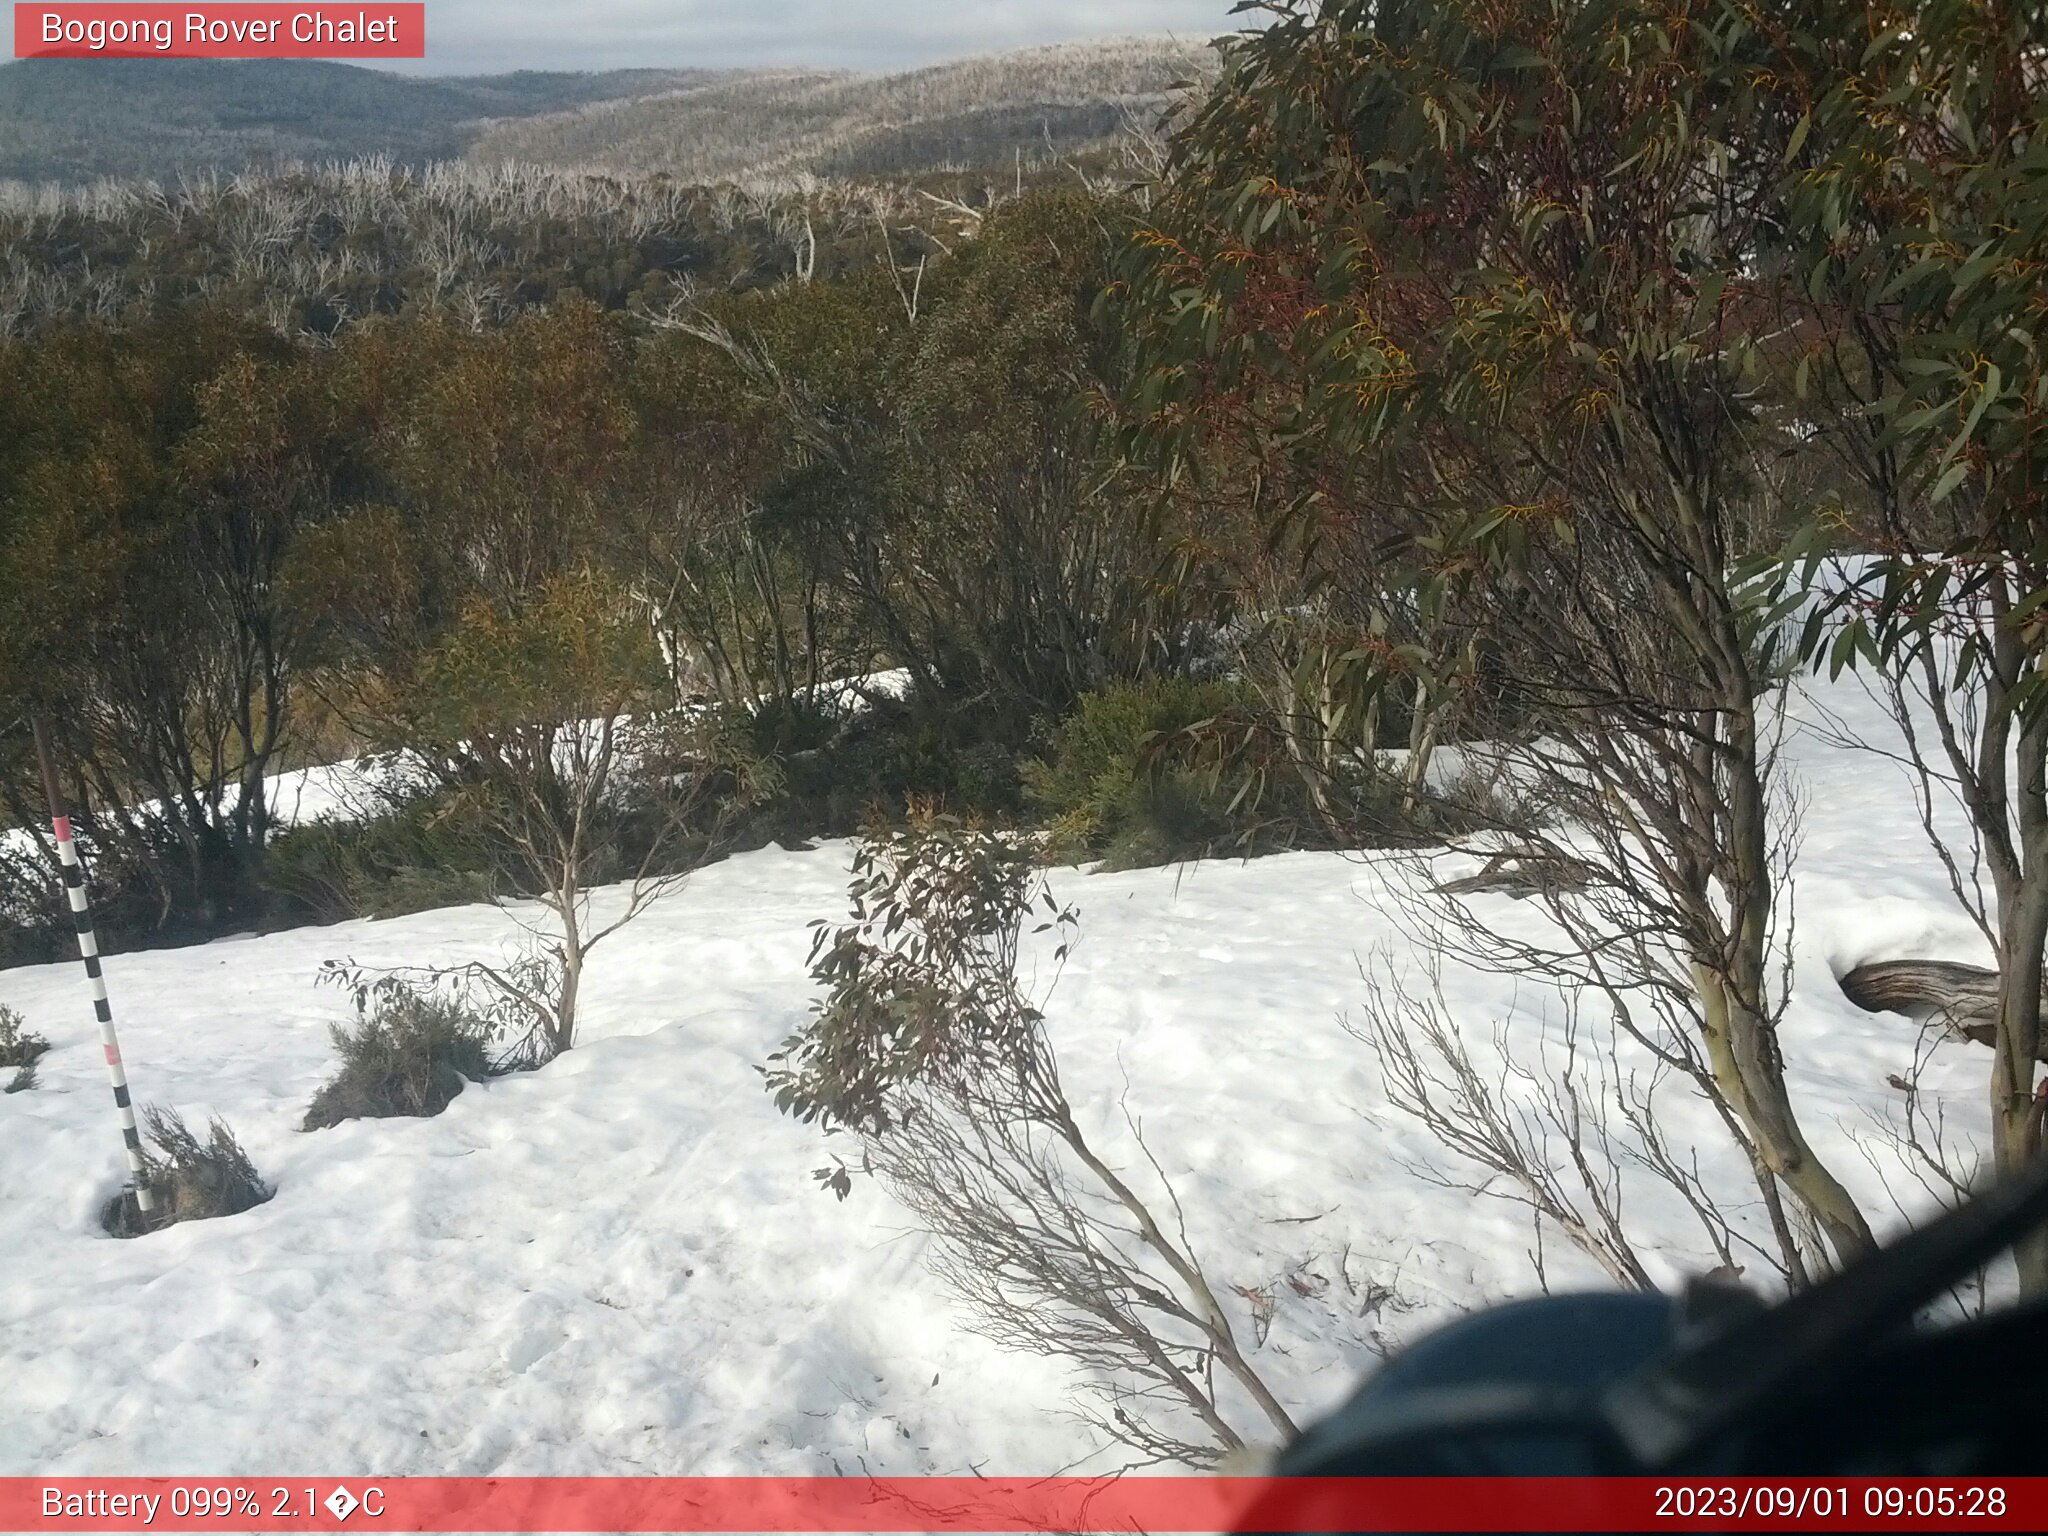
<point x="943" y="471"/>
<point x="1916" y="200"/>
<point x="151" y="483"/>
<point x="1504" y="255"/>
<point x="529" y="715"/>
<point x="474" y="628"/>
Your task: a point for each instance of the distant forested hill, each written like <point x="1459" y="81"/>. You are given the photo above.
<point x="968" y="114"/>
<point x="78" y="119"/>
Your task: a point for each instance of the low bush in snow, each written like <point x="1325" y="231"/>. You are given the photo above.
<point x="1128" y="781"/>
<point x="927" y="1051"/>
<point x="145" y="894"/>
<point x="409" y="1053"/>
<point x="424" y="851"/>
<point x="18" y="1045"/>
<point x="19" y="1048"/>
<point x="190" y="1180"/>
<point x="798" y="770"/>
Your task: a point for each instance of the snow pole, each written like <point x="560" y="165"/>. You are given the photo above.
<point x="89" y="952"/>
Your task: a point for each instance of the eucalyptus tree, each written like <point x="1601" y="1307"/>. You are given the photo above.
<point x="1914" y="240"/>
<point x="1479" y="284"/>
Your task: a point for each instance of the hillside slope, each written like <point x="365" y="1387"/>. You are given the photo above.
<point x="73" y="120"/>
<point x="971" y="113"/>
<point x="79" y="119"/>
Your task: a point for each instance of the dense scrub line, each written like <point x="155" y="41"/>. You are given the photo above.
<point x="471" y="548"/>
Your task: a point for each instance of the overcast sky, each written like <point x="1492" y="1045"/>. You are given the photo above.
<point x="472" y="36"/>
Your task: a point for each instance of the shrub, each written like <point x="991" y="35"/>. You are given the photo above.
<point x="19" y="1049"/>
<point x="35" y="925"/>
<point x="927" y="1050"/>
<point x="409" y="1053"/>
<point x="143" y="894"/>
<point x="1173" y="815"/>
<point x="799" y="771"/>
<point x="1126" y="782"/>
<point x="958" y="755"/>
<point x="190" y="1180"/>
<point x="426" y="851"/>
<point x="755" y="749"/>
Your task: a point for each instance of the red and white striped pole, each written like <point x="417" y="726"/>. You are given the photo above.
<point x="89" y="952"/>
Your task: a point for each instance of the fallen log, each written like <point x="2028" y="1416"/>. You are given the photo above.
<point x="1962" y="999"/>
<point x="1522" y="873"/>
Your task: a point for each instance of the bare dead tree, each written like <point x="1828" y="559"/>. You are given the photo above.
<point x="457" y="236"/>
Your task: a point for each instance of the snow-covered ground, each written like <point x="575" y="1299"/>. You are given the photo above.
<point x="621" y="1265"/>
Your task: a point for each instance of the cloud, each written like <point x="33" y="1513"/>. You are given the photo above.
<point x="473" y="36"/>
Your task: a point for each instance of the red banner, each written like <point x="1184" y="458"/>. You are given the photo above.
<point x="1078" y="1504"/>
<point x="372" y="31"/>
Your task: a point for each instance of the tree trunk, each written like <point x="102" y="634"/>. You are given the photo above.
<point x="1421" y="745"/>
<point x="2020" y="878"/>
<point x="2017" y="1042"/>
<point x="1742" y="1051"/>
<point x="1742" y="1032"/>
<point x="572" y="980"/>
